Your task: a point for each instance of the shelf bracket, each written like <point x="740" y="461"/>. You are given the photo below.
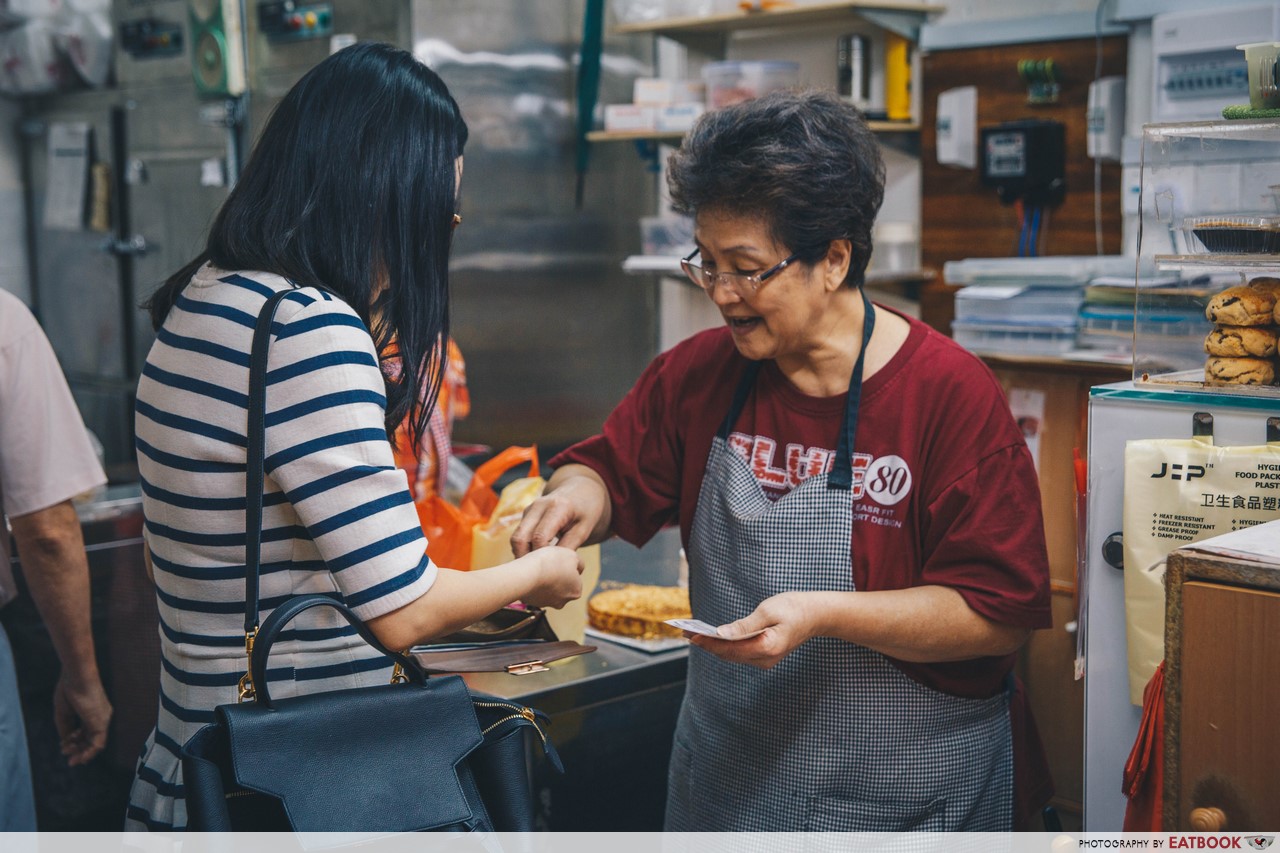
<point x="905" y="24"/>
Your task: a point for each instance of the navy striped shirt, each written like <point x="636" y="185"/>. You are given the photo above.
<point x="338" y="517"/>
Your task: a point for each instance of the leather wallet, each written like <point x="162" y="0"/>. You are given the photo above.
<point x="520" y="658"/>
<point x="508" y="623"/>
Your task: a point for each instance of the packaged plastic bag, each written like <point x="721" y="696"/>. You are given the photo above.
<point x="1178" y="491"/>
<point x="449" y="528"/>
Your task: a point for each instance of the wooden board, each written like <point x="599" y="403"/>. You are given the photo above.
<point x="1222" y="684"/>
<point x="1228" y="752"/>
<point x="1046" y="663"/>
<point x="960" y="218"/>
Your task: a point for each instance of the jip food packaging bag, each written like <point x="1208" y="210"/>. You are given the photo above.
<point x="1178" y="491"/>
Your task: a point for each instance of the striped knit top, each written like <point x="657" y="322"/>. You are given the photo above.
<point x="338" y="517"/>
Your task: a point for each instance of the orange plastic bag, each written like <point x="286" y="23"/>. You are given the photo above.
<point x="448" y="528"/>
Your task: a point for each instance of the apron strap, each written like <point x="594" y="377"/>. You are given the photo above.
<point x="740" y="395"/>
<point x="841" y="476"/>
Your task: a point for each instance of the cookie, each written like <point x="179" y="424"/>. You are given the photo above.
<point x="1237" y="341"/>
<point x="1267" y="284"/>
<point x="1242" y="306"/>
<point x="1239" y="371"/>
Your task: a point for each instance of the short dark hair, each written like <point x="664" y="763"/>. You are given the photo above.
<point x="352" y="183"/>
<point x="805" y="162"/>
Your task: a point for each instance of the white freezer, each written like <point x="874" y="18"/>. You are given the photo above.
<point x="1118" y="413"/>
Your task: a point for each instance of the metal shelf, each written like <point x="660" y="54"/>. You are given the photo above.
<point x="1216" y="262"/>
<point x="676" y="135"/>
<point x="812" y="13"/>
<point x="635" y="135"/>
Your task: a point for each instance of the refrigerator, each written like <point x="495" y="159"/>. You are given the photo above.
<point x="1119" y="413"/>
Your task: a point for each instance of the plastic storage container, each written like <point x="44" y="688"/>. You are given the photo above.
<point x="733" y="82"/>
<point x="1264" y="82"/>
<point x="1232" y="234"/>
<point x="895" y="247"/>
<point x="668" y="236"/>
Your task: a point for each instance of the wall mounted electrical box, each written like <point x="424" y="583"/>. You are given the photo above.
<point x="1198" y="69"/>
<point x="1105" y="118"/>
<point x="217" y="48"/>
<point x="957" y="135"/>
<point x="290" y="21"/>
<point x="1025" y="160"/>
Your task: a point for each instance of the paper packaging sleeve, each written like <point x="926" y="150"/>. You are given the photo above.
<point x="628" y="117"/>
<point x="678" y="117"/>
<point x="652" y="92"/>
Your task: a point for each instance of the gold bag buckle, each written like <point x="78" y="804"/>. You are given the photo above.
<point x="247" y="691"/>
<point x="527" y="668"/>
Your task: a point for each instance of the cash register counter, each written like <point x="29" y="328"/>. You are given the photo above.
<point x="612" y="712"/>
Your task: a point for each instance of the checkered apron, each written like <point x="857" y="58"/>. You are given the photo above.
<point x="834" y="737"/>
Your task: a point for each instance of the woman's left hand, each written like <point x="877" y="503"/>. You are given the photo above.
<point x="785" y="621"/>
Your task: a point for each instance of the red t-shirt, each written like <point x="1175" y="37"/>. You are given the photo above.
<point x="945" y="491"/>
<point x="944" y="488"/>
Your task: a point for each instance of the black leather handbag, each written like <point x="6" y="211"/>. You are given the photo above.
<point x="417" y="754"/>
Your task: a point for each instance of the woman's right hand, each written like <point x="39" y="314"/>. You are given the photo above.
<point x="573" y="511"/>
<point x="559" y="577"/>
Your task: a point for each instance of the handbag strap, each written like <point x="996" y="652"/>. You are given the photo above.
<point x="253" y="684"/>
<point x="255" y="463"/>
<point x="255" y="482"/>
<point x="282" y="615"/>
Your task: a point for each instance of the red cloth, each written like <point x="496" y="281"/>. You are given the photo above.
<point x="934" y="425"/>
<point x="946" y="492"/>
<point x="1144" y="771"/>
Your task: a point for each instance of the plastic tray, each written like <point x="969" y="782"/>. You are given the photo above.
<point x="1175" y="324"/>
<point x="1232" y="234"/>
<point x="1015" y="338"/>
<point x="1018" y="303"/>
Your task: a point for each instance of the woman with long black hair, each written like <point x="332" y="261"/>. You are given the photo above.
<point x="349" y="202"/>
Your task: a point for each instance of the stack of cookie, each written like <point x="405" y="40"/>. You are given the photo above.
<point x="1242" y="347"/>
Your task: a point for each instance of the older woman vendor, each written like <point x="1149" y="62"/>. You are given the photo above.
<point x="847" y="481"/>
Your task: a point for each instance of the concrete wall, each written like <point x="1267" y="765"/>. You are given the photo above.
<point x="13" y="246"/>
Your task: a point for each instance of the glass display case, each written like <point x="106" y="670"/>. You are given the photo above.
<point x="1210" y="204"/>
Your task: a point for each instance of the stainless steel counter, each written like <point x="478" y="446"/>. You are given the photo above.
<point x="613" y="714"/>
<point x="612" y="717"/>
<point x="604" y="674"/>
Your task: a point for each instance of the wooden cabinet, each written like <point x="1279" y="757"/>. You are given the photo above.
<point x="1047" y="661"/>
<point x="1222" y="692"/>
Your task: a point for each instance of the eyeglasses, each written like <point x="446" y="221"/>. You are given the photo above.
<point x="737" y="282"/>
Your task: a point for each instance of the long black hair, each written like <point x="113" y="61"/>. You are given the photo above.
<point x="352" y="185"/>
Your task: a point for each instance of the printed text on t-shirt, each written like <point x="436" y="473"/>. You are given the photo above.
<point x="798" y="464"/>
